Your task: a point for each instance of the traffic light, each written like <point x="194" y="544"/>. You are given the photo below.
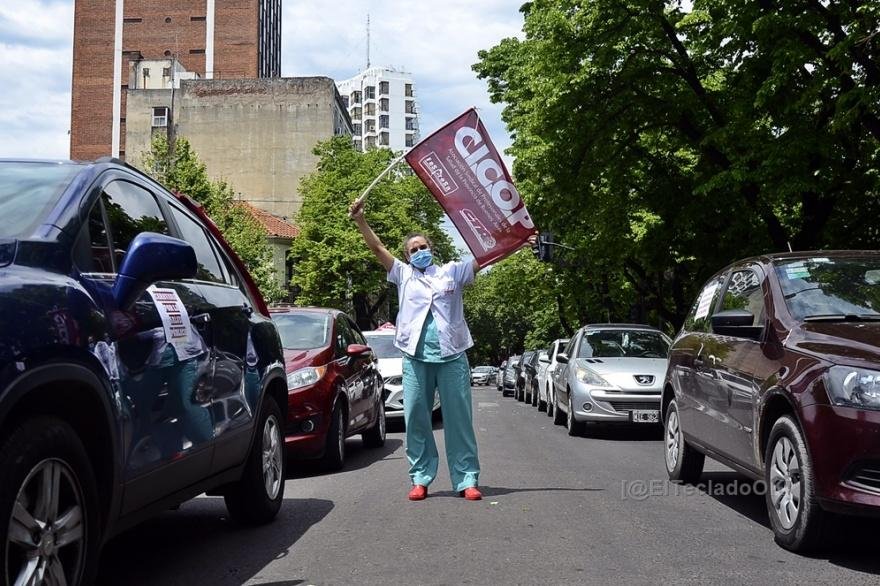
<point x="545" y="246"/>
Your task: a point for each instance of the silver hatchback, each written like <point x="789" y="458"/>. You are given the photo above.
<point x="611" y="373"/>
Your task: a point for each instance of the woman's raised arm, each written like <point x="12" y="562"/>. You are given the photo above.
<point x="356" y="213"/>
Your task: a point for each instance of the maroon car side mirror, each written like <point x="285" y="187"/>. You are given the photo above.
<point x="356" y="350"/>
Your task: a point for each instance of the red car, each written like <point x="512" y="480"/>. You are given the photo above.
<point x="334" y="387"/>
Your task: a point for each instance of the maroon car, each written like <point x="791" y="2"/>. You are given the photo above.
<point x="776" y="373"/>
<point x="334" y="387"/>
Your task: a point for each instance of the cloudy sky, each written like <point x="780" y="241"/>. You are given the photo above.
<point x="436" y="42"/>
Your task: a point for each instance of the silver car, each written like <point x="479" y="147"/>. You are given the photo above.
<point x="610" y="373"/>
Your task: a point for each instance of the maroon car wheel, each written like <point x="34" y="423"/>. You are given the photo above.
<point x="798" y="522"/>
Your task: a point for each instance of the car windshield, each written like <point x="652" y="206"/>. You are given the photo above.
<point x="483" y="369"/>
<point x="27" y="193"/>
<point x="841" y="288"/>
<point x="623" y="344"/>
<point x="383" y="345"/>
<point x="302" y="331"/>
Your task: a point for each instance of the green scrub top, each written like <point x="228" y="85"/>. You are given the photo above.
<point x="428" y="348"/>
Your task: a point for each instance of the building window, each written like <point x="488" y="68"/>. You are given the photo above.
<point x="383" y="105"/>
<point x="370" y="142"/>
<point x="160" y="117"/>
<point x="371" y="126"/>
<point x="132" y="19"/>
<point x="383" y="87"/>
<point x="197" y="18"/>
<point x="370" y="92"/>
<point x="356" y="97"/>
<point x="409" y="140"/>
<point x="167" y="53"/>
<point x="166" y="72"/>
<point x="167" y="20"/>
<point x="344" y="101"/>
<point x="410" y="123"/>
<point x="383" y="121"/>
<point x="356" y="114"/>
<point x="356" y="128"/>
<point x="196" y="51"/>
<point x="410" y="107"/>
<point x="408" y="91"/>
<point x="383" y="138"/>
<point x="370" y="110"/>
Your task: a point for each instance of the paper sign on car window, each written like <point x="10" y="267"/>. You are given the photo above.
<point x="175" y="321"/>
<point x="706" y="301"/>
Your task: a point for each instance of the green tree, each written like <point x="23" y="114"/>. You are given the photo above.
<point x="180" y="169"/>
<point x="663" y="142"/>
<point x="512" y="307"/>
<point x="332" y="265"/>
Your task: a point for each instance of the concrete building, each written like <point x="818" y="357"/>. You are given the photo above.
<point x="257" y="134"/>
<point x="225" y="39"/>
<point x="382" y="104"/>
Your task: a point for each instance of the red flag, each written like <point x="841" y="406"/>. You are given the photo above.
<point x="461" y="167"/>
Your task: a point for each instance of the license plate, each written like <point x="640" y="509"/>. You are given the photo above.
<point x="641" y="416"/>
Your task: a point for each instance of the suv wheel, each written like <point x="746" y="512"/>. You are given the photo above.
<point x="334" y="452"/>
<point x="683" y="462"/>
<point x="375" y="436"/>
<point x="573" y="426"/>
<point x="257" y="497"/>
<point x="48" y="506"/>
<point x="797" y="520"/>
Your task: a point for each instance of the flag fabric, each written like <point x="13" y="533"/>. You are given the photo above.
<point x="463" y="170"/>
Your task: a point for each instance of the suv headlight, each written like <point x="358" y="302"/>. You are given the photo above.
<point x="853" y="387"/>
<point x="305" y="377"/>
<point x="588" y="377"/>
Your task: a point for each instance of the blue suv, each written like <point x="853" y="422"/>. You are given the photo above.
<point x="138" y="366"/>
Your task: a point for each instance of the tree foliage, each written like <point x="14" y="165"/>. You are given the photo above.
<point x="663" y="140"/>
<point x="180" y="169"/>
<point x="332" y="265"/>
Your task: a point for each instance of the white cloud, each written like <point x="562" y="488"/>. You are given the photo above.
<point x="437" y="43"/>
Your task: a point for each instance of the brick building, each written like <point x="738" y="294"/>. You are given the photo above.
<point x="224" y="39"/>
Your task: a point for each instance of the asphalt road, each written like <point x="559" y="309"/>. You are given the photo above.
<point x="556" y="510"/>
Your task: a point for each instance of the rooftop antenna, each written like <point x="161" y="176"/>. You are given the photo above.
<point x="368" y="40"/>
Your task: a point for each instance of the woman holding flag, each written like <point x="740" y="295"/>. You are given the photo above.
<point x="431" y="331"/>
<point x="433" y="335"/>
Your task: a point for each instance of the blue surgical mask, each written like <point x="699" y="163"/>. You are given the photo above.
<point x="422" y="259"/>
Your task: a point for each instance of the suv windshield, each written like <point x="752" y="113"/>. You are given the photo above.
<point x="383" y="345"/>
<point x="623" y="344"/>
<point x="302" y="331"/>
<point x="824" y="287"/>
<point x="28" y="191"/>
<point x="483" y="369"/>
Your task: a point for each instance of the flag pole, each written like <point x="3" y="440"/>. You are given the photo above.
<point x="393" y="164"/>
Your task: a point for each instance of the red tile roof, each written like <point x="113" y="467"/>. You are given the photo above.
<point x="274" y="226"/>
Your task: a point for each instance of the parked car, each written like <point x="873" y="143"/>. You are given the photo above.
<point x="776" y="373"/>
<point x="510" y="376"/>
<point x="610" y="373"/>
<point x="333" y="384"/>
<point x="530" y="378"/>
<point x="138" y="366"/>
<point x="522" y="373"/>
<point x="391" y="370"/>
<point x="547" y="367"/>
<point x="482" y="375"/>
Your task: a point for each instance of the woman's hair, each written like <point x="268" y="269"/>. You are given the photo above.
<point x="410" y="236"/>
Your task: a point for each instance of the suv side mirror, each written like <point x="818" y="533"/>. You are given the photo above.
<point x="562" y="358"/>
<point x="736" y="323"/>
<point x="152" y="257"/>
<point x="357" y="350"/>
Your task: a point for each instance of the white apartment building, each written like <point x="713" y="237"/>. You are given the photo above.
<point x="382" y="104"/>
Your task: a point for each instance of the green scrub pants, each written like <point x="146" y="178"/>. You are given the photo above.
<point x="453" y="379"/>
